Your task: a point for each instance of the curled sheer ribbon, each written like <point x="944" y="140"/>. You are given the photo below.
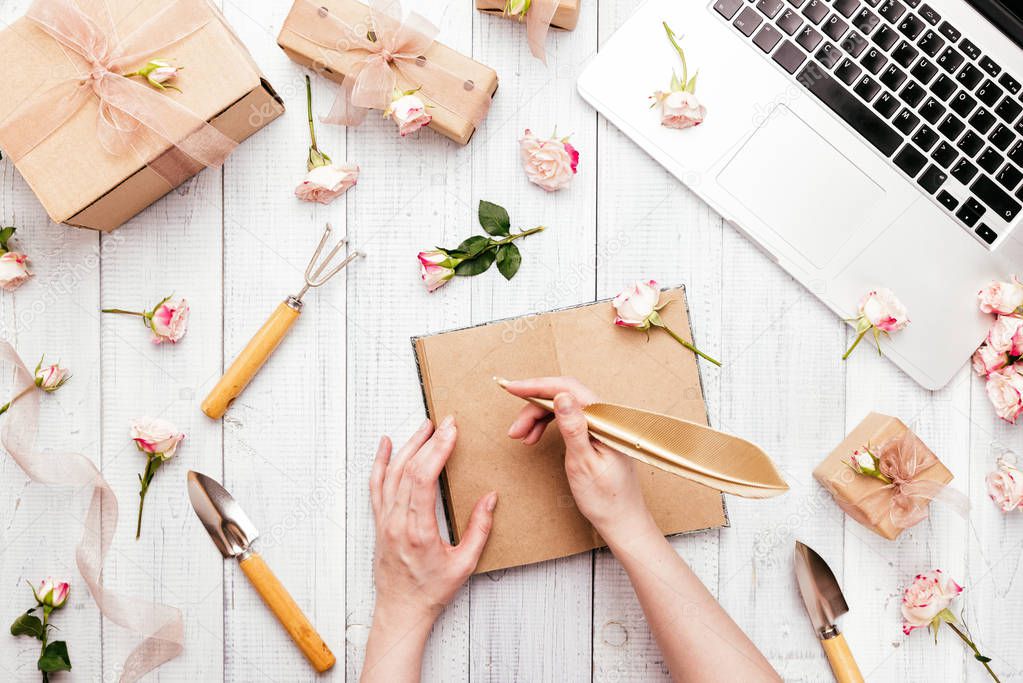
<point x="400" y="45"/>
<point x="538" y="23"/>
<point x="132" y="115"/>
<point x="161" y="626"/>
<point x="902" y="459"/>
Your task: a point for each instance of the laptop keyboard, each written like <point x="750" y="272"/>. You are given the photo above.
<point x="922" y="94"/>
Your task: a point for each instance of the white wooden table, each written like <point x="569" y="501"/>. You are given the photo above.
<point x="296" y="448"/>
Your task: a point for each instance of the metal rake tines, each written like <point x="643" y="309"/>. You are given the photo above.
<point x="317" y="277"/>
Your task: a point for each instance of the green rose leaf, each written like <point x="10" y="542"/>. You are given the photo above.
<point x="477" y="264"/>
<point x="494" y="219"/>
<point x="6" y="234"/>
<point x="508" y="260"/>
<point x="27" y="625"/>
<point x="55" y="658"/>
<point x="982" y="658"/>
<point x="474" y="245"/>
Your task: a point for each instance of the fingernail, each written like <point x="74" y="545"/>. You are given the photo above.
<point x="448" y="423"/>
<point x="426" y="423"/>
<point x="492" y="501"/>
<point x="563" y="402"/>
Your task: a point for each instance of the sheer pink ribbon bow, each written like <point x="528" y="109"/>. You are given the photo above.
<point x="903" y="459"/>
<point x="398" y="46"/>
<point x="161" y="626"/>
<point x="538" y="24"/>
<point x="132" y="115"/>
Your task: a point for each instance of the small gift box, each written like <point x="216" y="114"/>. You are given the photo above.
<point x="565" y="17"/>
<point x="376" y="53"/>
<point x="883" y="476"/>
<point x="98" y="144"/>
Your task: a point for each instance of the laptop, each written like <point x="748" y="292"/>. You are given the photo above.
<point x="859" y="143"/>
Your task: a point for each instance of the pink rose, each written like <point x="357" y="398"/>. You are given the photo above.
<point x="51" y="593"/>
<point x="1005" y="487"/>
<point x="409" y="113"/>
<point x="156" y="437"/>
<point x="636" y="303"/>
<point x="883" y="310"/>
<point x="13" y="270"/>
<point x="1003" y="298"/>
<point x="51" y="378"/>
<point x="680" y="109"/>
<point x="1005" y="334"/>
<point x="324" y="184"/>
<point x="1005" y="389"/>
<point x="169" y="321"/>
<point x="551" y="163"/>
<point x="987" y="359"/>
<point x="436" y="268"/>
<point x="923" y="601"/>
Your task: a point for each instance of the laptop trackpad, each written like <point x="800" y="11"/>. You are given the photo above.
<point x="801" y="187"/>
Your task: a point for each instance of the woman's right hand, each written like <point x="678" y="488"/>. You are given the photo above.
<point x="603" y="480"/>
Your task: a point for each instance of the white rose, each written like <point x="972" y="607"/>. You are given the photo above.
<point x="409" y="113"/>
<point x="1003" y="333"/>
<point x="1005" y="389"/>
<point x="1003" y="298"/>
<point x="551" y="164"/>
<point x="928" y="595"/>
<point x="636" y="303"/>
<point x="13" y="270"/>
<point x="324" y="184"/>
<point x="680" y="109"/>
<point x="883" y="310"/>
<point x="863" y="460"/>
<point x="156" y="437"/>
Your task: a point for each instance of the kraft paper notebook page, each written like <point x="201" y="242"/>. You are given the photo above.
<point x="536" y="518"/>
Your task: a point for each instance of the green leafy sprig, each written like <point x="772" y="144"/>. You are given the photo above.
<point x="53" y="655"/>
<point x="476" y="254"/>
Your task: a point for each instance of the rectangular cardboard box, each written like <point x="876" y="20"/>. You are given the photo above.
<point x="847" y="486"/>
<point x="566" y="16"/>
<point x="75" y="179"/>
<point x="335" y="65"/>
<point x="536" y="518"/>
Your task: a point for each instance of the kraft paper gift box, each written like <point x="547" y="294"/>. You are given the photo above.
<point x="566" y="16"/>
<point x="76" y="179"/>
<point x="314" y="35"/>
<point x="850" y="488"/>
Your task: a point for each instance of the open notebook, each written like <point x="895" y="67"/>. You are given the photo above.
<point x="536" y="518"/>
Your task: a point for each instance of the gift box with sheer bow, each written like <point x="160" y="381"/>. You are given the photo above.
<point x="885" y="477"/>
<point x="95" y="130"/>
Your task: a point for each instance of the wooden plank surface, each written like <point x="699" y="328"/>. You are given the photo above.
<point x="297" y="446"/>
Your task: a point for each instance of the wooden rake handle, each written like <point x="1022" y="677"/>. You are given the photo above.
<point x="250" y="360"/>
<point x="287" y="611"/>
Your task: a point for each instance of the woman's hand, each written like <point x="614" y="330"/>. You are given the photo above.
<point x="603" y="481"/>
<point x="416" y="572"/>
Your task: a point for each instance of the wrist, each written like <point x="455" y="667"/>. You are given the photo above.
<point x="402" y="619"/>
<point x="622" y="528"/>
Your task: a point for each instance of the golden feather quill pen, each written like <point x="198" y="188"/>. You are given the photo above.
<point x="702" y="454"/>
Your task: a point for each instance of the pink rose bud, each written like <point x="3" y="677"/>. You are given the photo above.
<point x="50" y="593"/>
<point x="636" y="303"/>
<point x="1005" y="487"/>
<point x="324" y="184"/>
<point x="155" y="436"/>
<point x="925" y="600"/>
<point x="158" y="72"/>
<point x="13" y="270"/>
<point x="551" y="163"/>
<point x="680" y="109"/>
<point x="408" y="112"/>
<point x="987" y="359"/>
<point x="1005" y="389"/>
<point x="862" y="461"/>
<point x="1006" y="334"/>
<point x="52" y="377"/>
<point x="883" y="311"/>
<point x="169" y="321"/>
<point x="436" y="268"/>
<point x="1003" y="298"/>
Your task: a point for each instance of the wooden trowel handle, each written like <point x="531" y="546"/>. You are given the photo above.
<point x="841" y="660"/>
<point x="250" y="360"/>
<point x="287" y="611"/>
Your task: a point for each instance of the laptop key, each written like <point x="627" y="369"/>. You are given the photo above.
<point x="951" y="59"/>
<point x="848" y="71"/>
<point x="747" y="21"/>
<point x="963" y="104"/>
<point x="996" y="199"/>
<point x="924" y="71"/>
<point x="911" y="26"/>
<point x="727" y="8"/>
<point x="847" y="7"/>
<point x="789" y="56"/>
<point x="963" y="171"/>
<point x="893" y="77"/>
<point x="886" y="105"/>
<point x="1009" y="177"/>
<point x="885" y="37"/>
<point x="950" y="31"/>
<point x="828" y="55"/>
<point x="928" y="13"/>
<point x="912" y="94"/>
<point x="989" y="93"/>
<point x="769" y="7"/>
<point x="906" y="121"/>
<point x="905" y="54"/>
<point x="854" y="44"/>
<point x="925" y="138"/>
<point x="1009" y="83"/>
<point x="986" y="233"/>
<point x="947" y="200"/>
<point x="835" y="27"/>
<point x="970" y="212"/>
<point x="1008" y="109"/>
<point x="866" y="21"/>
<point x="951" y="127"/>
<point x="982" y="120"/>
<point x="943" y="87"/>
<point x="970" y="76"/>
<point x="767" y="38"/>
<point x="1001" y="137"/>
<point x="1016" y="154"/>
<point x="796" y="3"/>
<point x="931" y="42"/>
<point x="989" y="65"/>
<point x="931" y="110"/>
<point x="990" y="160"/>
<point x="932" y="179"/>
<point x="789" y="21"/>
<point x="971" y="50"/>
<point x="873" y="60"/>
<point x="892" y="10"/>
<point x="910" y="160"/>
<point x="815" y="10"/>
<point x="809" y="38"/>
<point x="858" y="115"/>
<point x="971" y="143"/>
<point x="867" y="88"/>
<point x="944" y="154"/>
